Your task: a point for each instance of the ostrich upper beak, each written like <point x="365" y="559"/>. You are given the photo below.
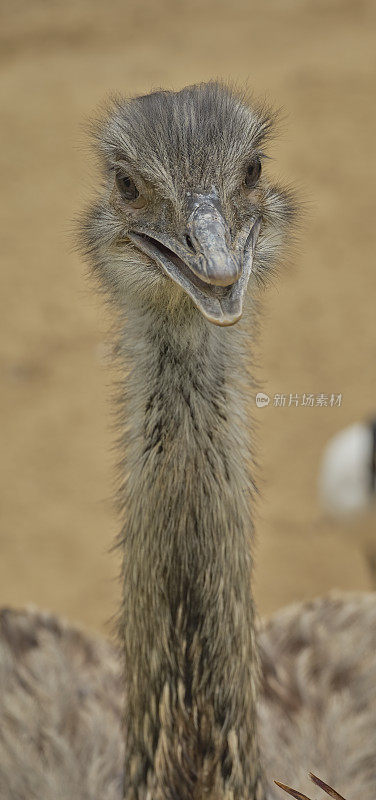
<point x="212" y="269"/>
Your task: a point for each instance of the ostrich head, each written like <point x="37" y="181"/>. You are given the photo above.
<point x="186" y="214"/>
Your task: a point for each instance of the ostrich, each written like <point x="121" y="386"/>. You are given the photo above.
<point x="347" y="477"/>
<point x="184" y="227"/>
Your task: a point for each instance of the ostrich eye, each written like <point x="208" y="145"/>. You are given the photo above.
<point x="253" y="172"/>
<point x="127" y="187"/>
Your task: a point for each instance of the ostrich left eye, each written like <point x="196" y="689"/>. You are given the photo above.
<point x="253" y="172"/>
<point x="128" y="190"/>
<point x="127" y="187"/>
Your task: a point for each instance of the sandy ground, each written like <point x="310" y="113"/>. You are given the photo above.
<point x="316" y="59"/>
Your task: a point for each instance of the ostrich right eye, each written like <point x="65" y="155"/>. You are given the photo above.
<point x="253" y="173"/>
<point x="127" y="187"/>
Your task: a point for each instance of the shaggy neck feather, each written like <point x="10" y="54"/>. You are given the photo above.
<point x="188" y="620"/>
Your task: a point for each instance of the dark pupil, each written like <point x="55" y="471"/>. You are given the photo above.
<point x="253" y="172"/>
<point x="127" y="187"/>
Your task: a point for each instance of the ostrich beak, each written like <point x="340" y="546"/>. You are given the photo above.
<point x="214" y="263"/>
<point x="211" y="269"/>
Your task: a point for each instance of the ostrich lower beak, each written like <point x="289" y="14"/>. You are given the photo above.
<point x="212" y="271"/>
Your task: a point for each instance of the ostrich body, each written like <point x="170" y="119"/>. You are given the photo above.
<point x="184" y="222"/>
<point x="347" y="476"/>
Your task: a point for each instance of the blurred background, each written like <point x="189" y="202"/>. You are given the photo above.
<point x="315" y="59"/>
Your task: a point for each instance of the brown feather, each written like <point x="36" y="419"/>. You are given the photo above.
<point x="328" y="789"/>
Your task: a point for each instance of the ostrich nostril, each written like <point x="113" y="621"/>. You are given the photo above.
<point x="190" y="243"/>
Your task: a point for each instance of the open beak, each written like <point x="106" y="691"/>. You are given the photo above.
<point x="212" y="269"/>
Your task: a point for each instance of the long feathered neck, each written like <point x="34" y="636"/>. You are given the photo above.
<point x="188" y="621"/>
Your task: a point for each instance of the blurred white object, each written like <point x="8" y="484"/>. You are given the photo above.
<point x="347" y="479"/>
